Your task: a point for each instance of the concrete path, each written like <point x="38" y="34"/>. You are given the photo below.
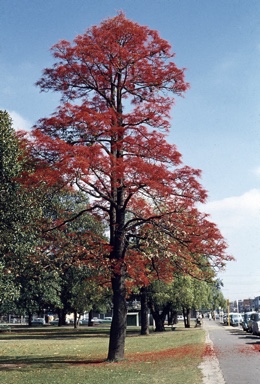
<point x="210" y="366"/>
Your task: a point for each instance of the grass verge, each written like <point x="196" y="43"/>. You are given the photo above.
<point x="68" y="356"/>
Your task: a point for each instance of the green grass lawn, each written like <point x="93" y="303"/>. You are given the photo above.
<point x="67" y="356"/>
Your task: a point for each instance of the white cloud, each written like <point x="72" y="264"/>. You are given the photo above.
<point x="236" y="212"/>
<point x="20" y="123"/>
<point x="238" y="218"/>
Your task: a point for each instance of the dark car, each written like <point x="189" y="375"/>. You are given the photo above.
<point x="253" y="323"/>
<point x="246" y="322"/>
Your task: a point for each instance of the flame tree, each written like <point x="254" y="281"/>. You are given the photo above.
<point x="108" y="139"/>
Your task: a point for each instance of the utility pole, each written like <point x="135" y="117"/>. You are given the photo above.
<point x="228" y="312"/>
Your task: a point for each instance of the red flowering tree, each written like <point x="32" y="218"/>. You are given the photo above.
<point x="108" y="138"/>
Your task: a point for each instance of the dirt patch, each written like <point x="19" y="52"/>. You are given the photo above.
<point x="176" y="353"/>
<point x="173" y="353"/>
<point x="209" y="351"/>
<point x="256" y="347"/>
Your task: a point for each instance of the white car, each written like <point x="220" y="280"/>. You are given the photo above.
<point x="54" y="322"/>
<point x="236" y="319"/>
<point x="84" y="322"/>
<point x="96" y="320"/>
<point x="107" y="320"/>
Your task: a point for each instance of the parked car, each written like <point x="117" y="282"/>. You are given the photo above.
<point x="246" y="320"/>
<point x="54" y="322"/>
<point x="38" y="321"/>
<point x="226" y="318"/>
<point x="106" y="320"/>
<point x="233" y="319"/>
<point x="254" y="317"/>
<point x="255" y="323"/>
<point x="96" y="320"/>
<point x="83" y="322"/>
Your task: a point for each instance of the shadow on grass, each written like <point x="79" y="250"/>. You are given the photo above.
<point x="53" y="333"/>
<point x="45" y="362"/>
<point x="59" y="333"/>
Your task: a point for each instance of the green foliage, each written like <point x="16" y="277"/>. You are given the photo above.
<point x="186" y="293"/>
<point x="9" y="151"/>
<point x="8" y="290"/>
<point x="189" y="292"/>
<point x="18" y="213"/>
<point x="85" y="292"/>
<point x="217" y="298"/>
<point x="159" y="294"/>
<point x="19" y="207"/>
<point x="36" y="262"/>
<point x="74" y="249"/>
<point x="39" y="290"/>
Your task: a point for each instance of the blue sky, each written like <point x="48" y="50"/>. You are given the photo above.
<point x="216" y="126"/>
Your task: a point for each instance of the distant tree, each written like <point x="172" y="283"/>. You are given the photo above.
<point x="165" y="259"/>
<point x="39" y="290"/>
<point x="193" y="295"/>
<point x="108" y="137"/>
<point x="185" y="293"/>
<point x="87" y="294"/>
<point x="19" y="212"/>
<point x="216" y="297"/>
<point x="159" y="302"/>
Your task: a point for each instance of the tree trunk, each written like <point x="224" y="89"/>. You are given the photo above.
<point x="186" y="315"/>
<point x="30" y="316"/>
<point x="90" y="315"/>
<point x="159" y="322"/>
<point x="62" y="317"/>
<point x="172" y="316"/>
<point x="76" y="318"/>
<point x="144" y="312"/>
<point x="116" y="349"/>
<point x="118" y="326"/>
<point x="159" y="319"/>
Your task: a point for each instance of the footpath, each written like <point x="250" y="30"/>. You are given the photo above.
<point x="210" y="367"/>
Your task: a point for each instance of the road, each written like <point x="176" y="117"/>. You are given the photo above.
<point x="233" y="356"/>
